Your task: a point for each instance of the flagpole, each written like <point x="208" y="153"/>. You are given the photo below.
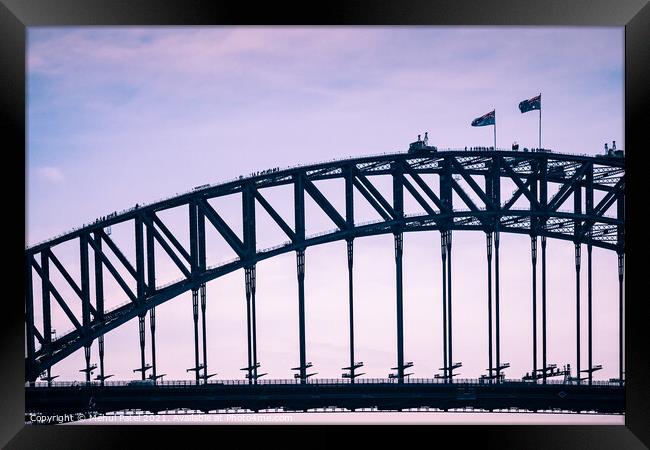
<point x="540" y="120"/>
<point x="495" y="130"/>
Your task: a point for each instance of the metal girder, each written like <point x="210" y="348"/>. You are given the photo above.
<point x="30" y="327"/>
<point x="425" y="188"/>
<point x="45" y="294"/>
<point x="477" y="162"/>
<point x="564" y="192"/>
<point x="542" y="218"/>
<point x="50" y="287"/>
<point x="170" y="236"/>
<point x="323" y="172"/>
<point x="275" y="216"/>
<point x="446" y="190"/>
<point x="222" y="227"/>
<point x="151" y="261"/>
<point x="68" y="278"/>
<point x="194" y="248"/>
<point x="416" y="195"/>
<point x="605" y="203"/>
<point x="299" y="207"/>
<point x="118" y="253"/>
<point x="349" y="197"/>
<point x="85" y="281"/>
<point x="168" y="250"/>
<point x="470" y="181"/>
<point x="200" y="230"/>
<point x="398" y="191"/>
<point x="543" y="189"/>
<point x="128" y="312"/>
<point x="515" y="177"/>
<point x="376" y="195"/>
<point x="515" y="196"/>
<point x="325" y="205"/>
<point x="599" y="210"/>
<point x="109" y="265"/>
<point x="248" y="220"/>
<point x="577" y="209"/>
<point x="463" y="195"/>
<point x="422" y="163"/>
<point x="373" y="166"/>
<point x="386" y="216"/>
<point x="38" y="336"/>
<point x="99" y="280"/>
<point x="139" y="258"/>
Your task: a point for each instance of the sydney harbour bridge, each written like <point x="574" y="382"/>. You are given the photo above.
<point x="576" y="198"/>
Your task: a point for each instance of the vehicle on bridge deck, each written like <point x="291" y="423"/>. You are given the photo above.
<point x="422" y="145"/>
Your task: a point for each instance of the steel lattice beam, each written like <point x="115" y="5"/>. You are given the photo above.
<point x="578" y="175"/>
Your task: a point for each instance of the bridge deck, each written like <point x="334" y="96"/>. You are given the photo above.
<point x="384" y="395"/>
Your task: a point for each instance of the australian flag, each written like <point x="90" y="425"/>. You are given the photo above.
<point x="531" y="104"/>
<point x="482" y="121"/>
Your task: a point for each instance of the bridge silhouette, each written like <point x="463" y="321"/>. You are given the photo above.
<point x="585" y="224"/>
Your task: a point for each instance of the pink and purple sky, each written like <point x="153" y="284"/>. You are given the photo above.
<point x="119" y="116"/>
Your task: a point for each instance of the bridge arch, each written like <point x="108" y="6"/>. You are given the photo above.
<point x="577" y="176"/>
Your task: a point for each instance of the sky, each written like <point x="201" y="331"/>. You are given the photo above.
<point x="118" y="116"/>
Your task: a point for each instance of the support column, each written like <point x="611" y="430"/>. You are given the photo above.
<point x="100" y="343"/>
<point x="29" y="321"/>
<point x="497" y="336"/>
<point x="577" y="254"/>
<point x="249" y="331"/>
<point x="399" y="243"/>
<point x="84" y="263"/>
<point x="152" y="324"/>
<point x="351" y="302"/>
<point x="533" y="248"/>
<point x="248" y="220"/>
<point x="349" y="219"/>
<point x="450" y="364"/>
<point x="589" y="210"/>
<point x="47" y="312"/>
<point x="195" y="263"/>
<point x="195" y="314"/>
<point x="543" y="202"/>
<point x="544" y="308"/>
<point x="300" y="265"/>
<point x="254" y="323"/>
<point x="151" y="290"/>
<point x="142" y="337"/>
<point x="443" y="251"/>
<point x="203" y="331"/>
<point x="620" y="251"/>
<point x="87" y="356"/>
<point x="488" y="237"/>
<point x="99" y="301"/>
<point x="621" y="267"/>
<point x="201" y="265"/>
<point x="141" y="287"/>
<point x="589" y="324"/>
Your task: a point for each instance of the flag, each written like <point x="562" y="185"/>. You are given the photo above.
<point x="487" y="119"/>
<point x="531" y="104"/>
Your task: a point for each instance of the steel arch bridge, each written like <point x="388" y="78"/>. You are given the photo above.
<point x="448" y="205"/>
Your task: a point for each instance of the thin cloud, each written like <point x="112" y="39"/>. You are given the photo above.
<point x="50" y="174"/>
<point x="129" y="115"/>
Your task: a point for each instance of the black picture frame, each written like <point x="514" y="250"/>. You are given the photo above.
<point x="16" y="15"/>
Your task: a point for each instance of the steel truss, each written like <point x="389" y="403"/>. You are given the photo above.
<point x="467" y="196"/>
